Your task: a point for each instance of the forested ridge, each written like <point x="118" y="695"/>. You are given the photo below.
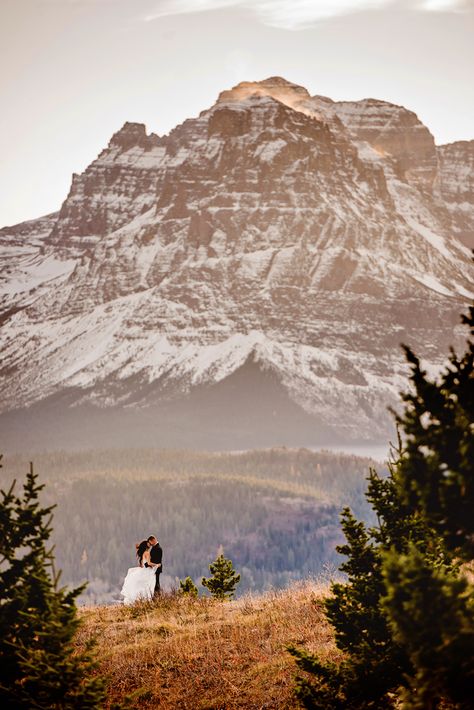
<point x="275" y="512"/>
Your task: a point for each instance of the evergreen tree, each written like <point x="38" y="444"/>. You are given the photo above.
<point x="406" y="613"/>
<point x="431" y="613"/>
<point x="431" y="610"/>
<point x="375" y="664"/>
<point x="39" y="666"/>
<point x="187" y="586"/>
<point x="437" y="471"/>
<point x="224" y="578"/>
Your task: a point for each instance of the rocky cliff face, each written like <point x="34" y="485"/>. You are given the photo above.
<point x="303" y="236"/>
<point x="455" y="187"/>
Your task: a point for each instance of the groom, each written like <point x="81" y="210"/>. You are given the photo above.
<point x="156" y="555"/>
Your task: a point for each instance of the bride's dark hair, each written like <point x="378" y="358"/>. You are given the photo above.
<point x="141" y="548"/>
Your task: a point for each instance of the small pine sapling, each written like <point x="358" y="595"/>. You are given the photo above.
<point x="188" y="588"/>
<point x="224" y="578"/>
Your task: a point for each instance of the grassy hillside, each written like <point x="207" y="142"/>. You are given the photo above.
<point x="204" y="655"/>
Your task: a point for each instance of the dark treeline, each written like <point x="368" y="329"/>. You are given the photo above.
<point x="326" y="473"/>
<point x="275" y="512"/>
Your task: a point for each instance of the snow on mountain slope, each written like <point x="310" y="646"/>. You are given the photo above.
<point x="306" y="235"/>
<point x="455" y="187"/>
<point x="24" y="268"/>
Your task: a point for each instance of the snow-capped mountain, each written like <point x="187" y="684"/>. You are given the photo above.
<point x="291" y="237"/>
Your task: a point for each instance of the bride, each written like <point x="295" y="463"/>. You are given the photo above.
<point x="140" y="581"/>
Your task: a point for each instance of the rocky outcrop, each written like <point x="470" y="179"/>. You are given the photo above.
<point x="455" y="186"/>
<point x="306" y="236"/>
<point x="395" y="132"/>
<point x="114" y="189"/>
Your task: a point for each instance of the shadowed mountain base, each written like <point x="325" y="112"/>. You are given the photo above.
<point x="249" y="409"/>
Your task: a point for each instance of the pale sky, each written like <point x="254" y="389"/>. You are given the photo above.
<point x="73" y="71"/>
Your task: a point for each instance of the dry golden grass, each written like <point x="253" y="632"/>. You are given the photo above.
<point x="201" y="654"/>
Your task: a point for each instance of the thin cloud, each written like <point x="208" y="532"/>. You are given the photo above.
<point x="74" y="2"/>
<point x="447" y="5"/>
<point x="288" y="14"/>
<point x="167" y="8"/>
<point x="297" y="14"/>
<point x="294" y="14"/>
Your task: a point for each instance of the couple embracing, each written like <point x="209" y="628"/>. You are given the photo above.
<point x="143" y="582"/>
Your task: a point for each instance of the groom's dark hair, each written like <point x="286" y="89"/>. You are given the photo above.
<point x="152" y="537"/>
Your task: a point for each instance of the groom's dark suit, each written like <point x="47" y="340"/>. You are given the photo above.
<point x="156" y="555"/>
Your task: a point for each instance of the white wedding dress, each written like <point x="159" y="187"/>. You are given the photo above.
<point x="138" y="584"/>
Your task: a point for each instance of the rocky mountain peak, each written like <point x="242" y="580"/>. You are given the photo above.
<point x="391" y="130"/>
<point x="133" y="135"/>
<point x="305" y="235"/>
<point x="275" y="87"/>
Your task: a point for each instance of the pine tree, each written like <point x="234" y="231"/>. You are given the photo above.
<point x="375" y="664"/>
<point x="187" y="586"/>
<point x="437" y="472"/>
<point x="224" y="578"/>
<point x="431" y="610"/>
<point x="39" y="666"/>
<point x="431" y="613"/>
<point x="405" y="617"/>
